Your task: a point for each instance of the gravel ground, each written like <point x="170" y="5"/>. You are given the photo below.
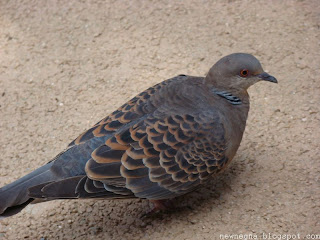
<point x="64" y="65"/>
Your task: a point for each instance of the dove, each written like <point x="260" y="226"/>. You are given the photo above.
<point x="161" y="144"/>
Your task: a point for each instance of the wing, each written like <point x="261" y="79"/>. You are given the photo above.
<point x="159" y="145"/>
<point x="160" y="158"/>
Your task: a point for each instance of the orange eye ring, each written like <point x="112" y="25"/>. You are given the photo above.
<point x="244" y="73"/>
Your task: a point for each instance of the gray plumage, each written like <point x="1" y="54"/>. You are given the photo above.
<point x="163" y="143"/>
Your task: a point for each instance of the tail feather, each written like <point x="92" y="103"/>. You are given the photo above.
<point x="10" y="211"/>
<point x="43" y="184"/>
<point x="57" y="179"/>
<point x="14" y="196"/>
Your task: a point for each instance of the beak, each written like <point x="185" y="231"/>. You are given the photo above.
<point x="266" y="77"/>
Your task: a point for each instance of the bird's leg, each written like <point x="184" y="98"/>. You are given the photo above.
<point x="159" y="206"/>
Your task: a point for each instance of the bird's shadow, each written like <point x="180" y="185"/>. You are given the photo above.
<point x="108" y="217"/>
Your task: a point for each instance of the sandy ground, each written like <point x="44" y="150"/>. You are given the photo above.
<point x="64" y="65"/>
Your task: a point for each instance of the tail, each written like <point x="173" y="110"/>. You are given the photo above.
<point x="62" y="178"/>
<point x="15" y="196"/>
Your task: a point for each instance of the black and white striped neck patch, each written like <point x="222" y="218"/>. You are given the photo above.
<point x="230" y="98"/>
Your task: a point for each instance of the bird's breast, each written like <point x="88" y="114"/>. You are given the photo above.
<point x="234" y="124"/>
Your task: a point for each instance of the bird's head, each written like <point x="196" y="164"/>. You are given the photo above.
<point x="237" y="71"/>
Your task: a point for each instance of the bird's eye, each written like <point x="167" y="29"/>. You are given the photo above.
<point x="244" y="73"/>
